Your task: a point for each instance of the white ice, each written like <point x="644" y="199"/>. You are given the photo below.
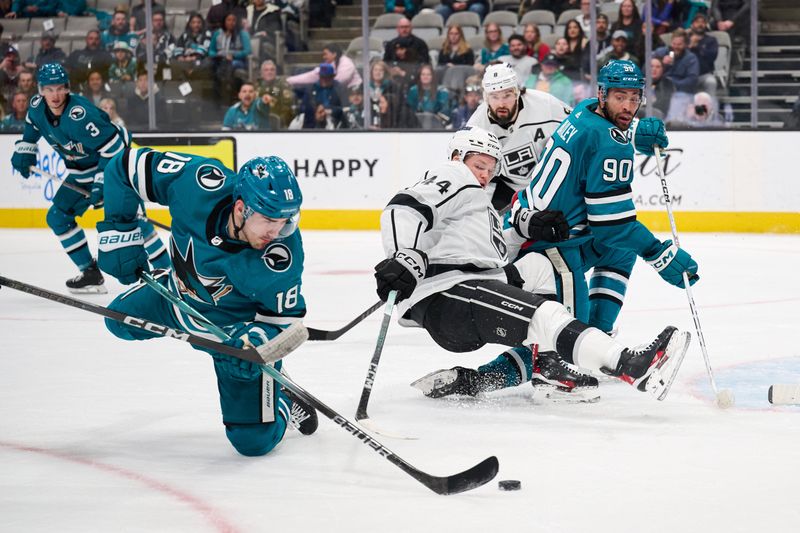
<point x="99" y="434"/>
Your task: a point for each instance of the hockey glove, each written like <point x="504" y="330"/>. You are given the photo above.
<point x="24" y="157"/>
<point x="401" y="273"/>
<point x="671" y="262"/>
<point x="96" y="198"/>
<point x="650" y="131"/>
<point x="121" y="250"/>
<point x="550" y="226"/>
<point x="244" y="335"/>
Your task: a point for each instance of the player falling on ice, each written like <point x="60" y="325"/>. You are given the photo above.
<point x="586" y="173"/>
<point x="86" y="139"/>
<point x="448" y="261"/>
<point x="237" y="259"/>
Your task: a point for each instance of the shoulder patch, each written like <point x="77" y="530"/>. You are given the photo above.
<point x="36" y="100"/>
<point x="77" y="113"/>
<point x="210" y="177"/>
<point x="277" y="257"/>
<point x="618" y="136"/>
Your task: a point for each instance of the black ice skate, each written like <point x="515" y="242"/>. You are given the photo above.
<point x="559" y="381"/>
<point x="653" y="368"/>
<point x="90" y="281"/>
<point x="457" y="380"/>
<point x="303" y="416"/>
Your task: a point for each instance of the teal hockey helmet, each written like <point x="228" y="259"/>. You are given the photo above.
<point x="268" y="186"/>
<point x="620" y="74"/>
<point x="52" y="74"/>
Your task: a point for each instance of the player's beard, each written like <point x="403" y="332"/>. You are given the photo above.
<point x="512" y="115"/>
<point x="614" y="118"/>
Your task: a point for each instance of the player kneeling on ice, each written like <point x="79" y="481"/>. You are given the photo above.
<point x="447" y="259"/>
<point x="237" y="259"/>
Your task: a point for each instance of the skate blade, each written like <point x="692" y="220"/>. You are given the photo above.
<point x="661" y="380"/>
<point x="558" y="395"/>
<point x="93" y="289"/>
<point x="431" y="384"/>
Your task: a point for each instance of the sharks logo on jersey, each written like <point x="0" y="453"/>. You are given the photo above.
<point x="618" y="136"/>
<point x="72" y="151"/>
<point x="190" y="282"/>
<point x="77" y="113"/>
<point x="36" y="100"/>
<point x="210" y="177"/>
<point x="277" y="257"/>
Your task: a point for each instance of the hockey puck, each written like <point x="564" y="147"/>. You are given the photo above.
<point x="509" y="484"/>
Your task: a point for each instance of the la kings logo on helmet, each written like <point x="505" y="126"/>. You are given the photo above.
<point x="210" y="177"/>
<point x="277" y="257"/>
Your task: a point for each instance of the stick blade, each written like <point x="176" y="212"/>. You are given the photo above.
<point x="367" y="423"/>
<point x="283" y="344"/>
<point x="472" y="478"/>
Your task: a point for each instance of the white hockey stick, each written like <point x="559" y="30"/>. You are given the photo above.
<point x="724" y="398"/>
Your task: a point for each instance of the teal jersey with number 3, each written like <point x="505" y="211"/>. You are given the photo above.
<point x="586" y="171"/>
<point x="223" y="278"/>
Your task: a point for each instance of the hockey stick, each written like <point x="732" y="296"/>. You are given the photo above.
<point x="724" y="398"/>
<point x="87" y="194"/>
<point x="278" y="348"/>
<point x="469" y="479"/>
<point x="361" y="412"/>
<point x="324" y="335"/>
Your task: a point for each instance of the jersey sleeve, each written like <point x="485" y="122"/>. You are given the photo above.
<point x="96" y="132"/>
<point x="31" y="133"/>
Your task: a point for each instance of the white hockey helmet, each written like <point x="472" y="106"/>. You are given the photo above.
<point x="473" y="139"/>
<point x="499" y="77"/>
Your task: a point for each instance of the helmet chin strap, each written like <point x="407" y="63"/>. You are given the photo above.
<point x="245" y="214"/>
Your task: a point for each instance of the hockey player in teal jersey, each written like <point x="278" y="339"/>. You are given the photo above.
<point x="237" y="259"/>
<point x="586" y="172"/>
<point x="86" y="139"/>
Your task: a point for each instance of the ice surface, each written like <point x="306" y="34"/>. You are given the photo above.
<point x="99" y="434"/>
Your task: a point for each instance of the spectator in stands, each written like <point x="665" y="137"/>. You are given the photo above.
<point x="392" y="112"/>
<point x="702" y="112"/>
<point x="92" y="56"/>
<point x="317" y="118"/>
<point x="190" y="54"/>
<point x="250" y="113"/>
<point x="380" y="82"/>
<point x="556" y="6"/>
<point x="455" y="49"/>
<point x="6" y="10"/>
<point x="218" y="13"/>
<point x="628" y="20"/>
<point x="575" y="37"/>
<point x="569" y="63"/>
<point x="663" y="88"/>
<point x="26" y="83"/>
<point x="320" y="12"/>
<point x="326" y="91"/>
<point x="229" y="52"/>
<point x="663" y="15"/>
<point x="551" y="80"/>
<point x="732" y="16"/>
<point x="137" y="100"/>
<point x="138" y="20"/>
<point x="682" y="66"/>
<point x="163" y="43"/>
<point x="10" y="69"/>
<point x="448" y="7"/>
<point x="95" y="88"/>
<point x="279" y="93"/>
<point x="416" y="49"/>
<point x="110" y="107"/>
<point x="119" y="30"/>
<point x="426" y="96"/>
<point x="346" y="71"/>
<point x="706" y="48"/>
<point x="534" y="46"/>
<point x="603" y="46"/>
<point x="408" y="8"/>
<point x="494" y="46"/>
<point x="619" y="49"/>
<point x="403" y="70"/>
<point x="263" y="18"/>
<point x="123" y="69"/>
<point x="353" y="114"/>
<point x="48" y="53"/>
<point x="35" y="8"/>
<point x="14" y="122"/>
<point x="522" y="63"/>
<point x="585" y="18"/>
<point x="469" y="103"/>
<point x="72" y="8"/>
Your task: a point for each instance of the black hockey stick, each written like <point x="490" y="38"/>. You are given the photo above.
<point x="324" y="335"/>
<point x="469" y="479"/>
<point x="87" y="194"/>
<point x="279" y="347"/>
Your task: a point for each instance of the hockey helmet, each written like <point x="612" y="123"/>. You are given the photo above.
<point x="499" y="77"/>
<point x="473" y="139"/>
<point x="620" y="74"/>
<point x="268" y="186"/>
<point x="52" y="74"/>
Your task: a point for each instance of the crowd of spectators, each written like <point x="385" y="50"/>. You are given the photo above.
<point x="206" y="65"/>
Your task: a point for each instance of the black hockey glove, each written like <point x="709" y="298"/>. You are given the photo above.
<point x="401" y="273"/>
<point x="550" y="226"/>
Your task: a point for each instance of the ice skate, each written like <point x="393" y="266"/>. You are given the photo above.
<point x="558" y="381"/>
<point x="457" y="380"/>
<point x="90" y="281"/>
<point x="303" y="417"/>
